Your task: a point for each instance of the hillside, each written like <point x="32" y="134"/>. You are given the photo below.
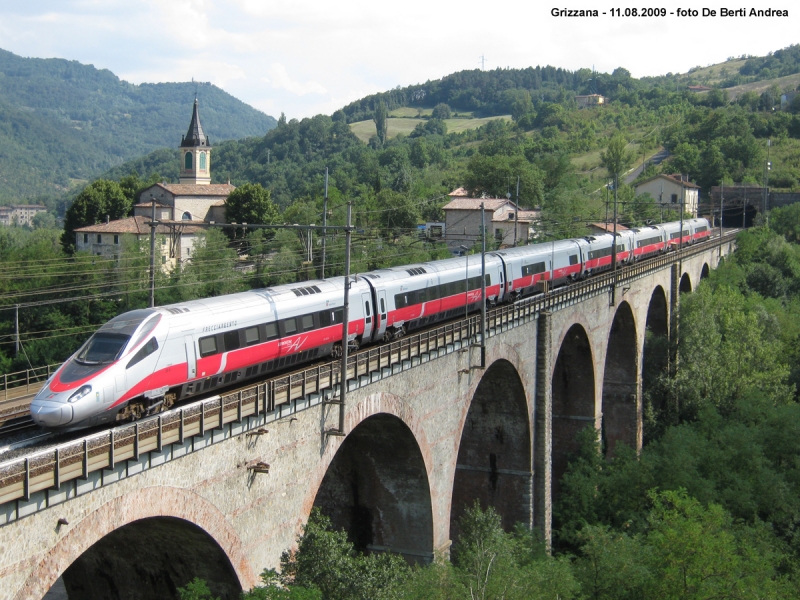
<point x="62" y="122"/>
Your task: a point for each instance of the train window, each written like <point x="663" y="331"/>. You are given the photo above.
<point x="401" y="300"/>
<point x="272" y="330"/>
<point x="573" y="259"/>
<point x="338" y="315"/>
<point x="366" y="308"/>
<point x="383" y="306"/>
<point x="308" y="322"/>
<point x="290" y="325"/>
<point x="251" y="336"/>
<point x="488" y="279"/>
<point x="533" y="269"/>
<point x="208" y="346"/>
<point x="324" y="318"/>
<point x="146" y="330"/>
<point x="231" y="340"/>
<point x="145" y="351"/>
<point x="102" y="348"/>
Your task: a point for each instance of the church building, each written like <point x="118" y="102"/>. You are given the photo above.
<point x="179" y="207"/>
<point x="195" y="198"/>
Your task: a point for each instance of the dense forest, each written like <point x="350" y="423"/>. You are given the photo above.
<point x="62" y="121"/>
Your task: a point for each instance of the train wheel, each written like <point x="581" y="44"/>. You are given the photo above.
<point x="336" y="351"/>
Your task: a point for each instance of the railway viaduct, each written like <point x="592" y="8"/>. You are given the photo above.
<point x="424" y="437"/>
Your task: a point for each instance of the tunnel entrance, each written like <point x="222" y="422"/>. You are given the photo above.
<point x="573" y="398"/>
<point x="620" y="384"/>
<point x="494" y="464"/>
<point x="376" y="489"/>
<point x="150" y="559"/>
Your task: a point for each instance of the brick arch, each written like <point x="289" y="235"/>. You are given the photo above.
<point x="574" y="385"/>
<point x="145" y="503"/>
<point x="685" y="283"/>
<point x="377" y="405"/>
<point x="621" y="411"/>
<point x="374" y="404"/>
<point x="494" y="464"/>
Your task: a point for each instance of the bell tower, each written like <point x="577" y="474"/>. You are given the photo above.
<point x="195" y="153"/>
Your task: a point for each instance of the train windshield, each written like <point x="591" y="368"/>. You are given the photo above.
<point x="102" y="348"/>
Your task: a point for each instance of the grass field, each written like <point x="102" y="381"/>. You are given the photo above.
<point x="718" y="72"/>
<point x="405" y="125"/>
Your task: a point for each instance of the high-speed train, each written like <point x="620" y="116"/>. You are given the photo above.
<point x="143" y="361"/>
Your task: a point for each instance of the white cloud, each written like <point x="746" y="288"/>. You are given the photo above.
<point x="279" y="78"/>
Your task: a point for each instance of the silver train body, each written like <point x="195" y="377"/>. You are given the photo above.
<point x="143" y="361"/>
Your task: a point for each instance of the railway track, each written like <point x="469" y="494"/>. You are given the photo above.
<point x="14" y="411"/>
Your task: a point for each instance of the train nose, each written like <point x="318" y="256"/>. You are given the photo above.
<point x="51" y="414"/>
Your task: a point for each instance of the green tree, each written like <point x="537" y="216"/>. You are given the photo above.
<point x="786" y="221"/>
<point x="729" y="349"/>
<point x="100" y="200"/>
<point x="441" y="111"/>
<point x="379" y="117"/>
<point x="211" y="271"/>
<point x="496" y="175"/>
<point x="196" y="589"/>
<point x="326" y="561"/>
<point x="616" y="158"/>
<point x="251" y="203"/>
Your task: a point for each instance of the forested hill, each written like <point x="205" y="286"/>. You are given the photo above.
<point x="493" y="93"/>
<point x="487" y="93"/>
<point x="62" y="121"/>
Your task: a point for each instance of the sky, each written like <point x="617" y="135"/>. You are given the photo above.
<point x="305" y="57"/>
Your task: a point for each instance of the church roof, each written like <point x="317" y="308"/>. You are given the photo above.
<point x="195" y="136"/>
<point x="138" y="225"/>
<point x="191" y="189"/>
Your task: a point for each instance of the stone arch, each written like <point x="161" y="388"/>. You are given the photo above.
<point x="658" y="312"/>
<point x="376" y="488"/>
<point x="573" y="397"/>
<point x="685" y="284"/>
<point x="164" y="509"/>
<point x="621" y="406"/>
<point x="704" y="272"/>
<point x="494" y="464"/>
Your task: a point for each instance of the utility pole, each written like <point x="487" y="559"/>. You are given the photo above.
<point x="16" y="330"/>
<point x="614" y="247"/>
<point x="744" y="206"/>
<point x="767" y="167"/>
<point x="483" y="287"/>
<point x="153" y="225"/>
<point x="324" y="223"/>
<point x="721" y="210"/>
<point x="516" y="215"/>
<point x="345" y="318"/>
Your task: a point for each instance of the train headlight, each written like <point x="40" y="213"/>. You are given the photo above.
<point x="80" y="393"/>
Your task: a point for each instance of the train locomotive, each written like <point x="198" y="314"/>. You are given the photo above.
<point x="143" y="361"/>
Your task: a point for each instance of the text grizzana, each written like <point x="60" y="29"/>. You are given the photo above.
<point x="568" y="12"/>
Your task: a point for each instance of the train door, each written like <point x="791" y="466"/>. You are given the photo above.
<point x="191" y="357"/>
<point x="380" y="315"/>
<point x="366" y="298"/>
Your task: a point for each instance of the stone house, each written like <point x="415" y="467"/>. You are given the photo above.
<point x="671" y="191"/>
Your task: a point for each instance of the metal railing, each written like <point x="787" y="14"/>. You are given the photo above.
<point x="22" y="383"/>
<point x="49" y="469"/>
